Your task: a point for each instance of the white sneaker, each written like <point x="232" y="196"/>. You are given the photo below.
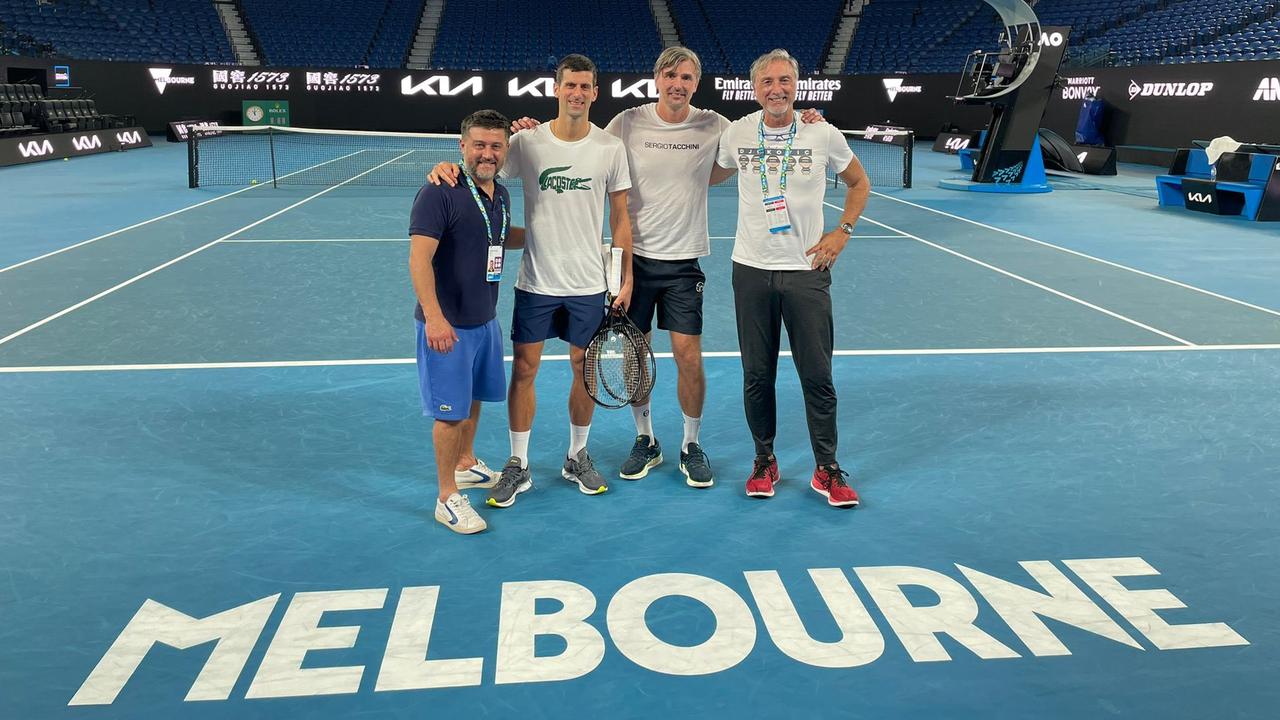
<point x="476" y="476"/>
<point x="457" y="515"/>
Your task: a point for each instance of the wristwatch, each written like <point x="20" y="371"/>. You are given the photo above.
<point x="847" y="228"/>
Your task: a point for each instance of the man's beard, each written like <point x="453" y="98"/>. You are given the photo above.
<point x="485" y="172"/>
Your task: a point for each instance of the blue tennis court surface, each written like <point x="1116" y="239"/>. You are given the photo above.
<point x="216" y="498"/>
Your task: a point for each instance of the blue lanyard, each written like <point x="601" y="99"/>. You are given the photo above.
<point x="488" y="224"/>
<point x="786" y="159"/>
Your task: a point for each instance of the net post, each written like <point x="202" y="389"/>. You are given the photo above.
<point x="907" y="158"/>
<point x="193" y="160"/>
<point x="271" y="140"/>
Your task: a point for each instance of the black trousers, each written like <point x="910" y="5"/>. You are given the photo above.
<point x="766" y="300"/>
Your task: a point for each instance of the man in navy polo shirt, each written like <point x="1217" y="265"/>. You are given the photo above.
<point x="455" y="259"/>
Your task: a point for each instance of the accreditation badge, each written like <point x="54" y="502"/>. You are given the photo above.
<point x="493" y="267"/>
<point x="776" y="215"/>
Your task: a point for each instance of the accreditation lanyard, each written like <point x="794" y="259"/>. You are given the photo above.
<point x="775" y="207"/>
<point x="493" y="266"/>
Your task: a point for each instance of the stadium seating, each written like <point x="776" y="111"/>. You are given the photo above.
<point x="1175" y="30"/>
<point x="140" y="30"/>
<point x="25" y="110"/>
<point x="621" y="38"/>
<point x="729" y="34"/>
<point x="921" y="35"/>
<point x="336" y="33"/>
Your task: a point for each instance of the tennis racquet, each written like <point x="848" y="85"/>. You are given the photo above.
<point x="620" y="369"/>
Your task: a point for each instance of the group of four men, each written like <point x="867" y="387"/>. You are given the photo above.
<point x="654" y="163"/>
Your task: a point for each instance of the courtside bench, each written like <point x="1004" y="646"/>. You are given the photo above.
<point x="1246" y="184"/>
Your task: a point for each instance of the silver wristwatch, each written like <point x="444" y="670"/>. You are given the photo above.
<point x="847" y="228"/>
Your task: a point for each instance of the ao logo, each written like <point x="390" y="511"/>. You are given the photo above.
<point x="441" y="85"/>
<point x="35" y="149"/>
<point x="540" y="87"/>
<point x="958" y="143"/>
<point x="1199" y="197"/>
<point x="86" y="142"/>
<point x="1053" y="39"/>
<point x="1268" y="90"/>
<point x="642" y="89"/>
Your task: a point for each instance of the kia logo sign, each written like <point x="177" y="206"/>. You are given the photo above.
<point x="128" y="138"/>
<point x="86" y="142"/>
<point x="957" y="143"/>
<point x="164" y="77"/>
<point x="642" y="89"/>
<point x="441" y="85"/>
<point x="539" y="87"/>
<point x="1053" y="39"/>
<point x="34" y="148"/>
<point x="1193" y="89"/>
<point x="1268" y="90"/>
<point x="1199" y="198"/>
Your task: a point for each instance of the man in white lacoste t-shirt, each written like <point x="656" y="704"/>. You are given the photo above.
<point x="781" y="265"/>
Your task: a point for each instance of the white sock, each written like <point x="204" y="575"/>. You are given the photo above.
<point x="520" y="446"/>
<point x="577" y="438"/>
<point x="691" y="427"/>
<point x="644" y="421"/>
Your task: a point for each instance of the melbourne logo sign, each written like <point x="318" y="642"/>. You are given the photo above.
<point x="441" y="85"/>
<point x="164" y="77"/>
<point x="242" y="80"/>
<point x="1268" y="90"/>
<point x="894" y="87"/>
<point x="1044" y="611"/>
<point x="1192" y="89"/>
<point x="348" y="82"/>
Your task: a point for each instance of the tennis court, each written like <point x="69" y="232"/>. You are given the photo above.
<point x="215" y="409"/>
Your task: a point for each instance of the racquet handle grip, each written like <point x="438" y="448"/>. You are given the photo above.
<point x="615" y="271"/>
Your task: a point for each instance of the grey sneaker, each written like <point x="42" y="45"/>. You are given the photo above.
<point x="583" y="471"/>
<point x="696" y="467"/>
<point x="644" y="457"/>
<point x="513" y="481"/>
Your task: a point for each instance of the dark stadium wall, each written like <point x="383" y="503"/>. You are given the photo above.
<point x="1163" y="105"/>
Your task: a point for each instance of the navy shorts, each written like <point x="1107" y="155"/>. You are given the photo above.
<point x="573" y="319"/>
<point x="672" y="289"/>
<point x="473" y="370"/>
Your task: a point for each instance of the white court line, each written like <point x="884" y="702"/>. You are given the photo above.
<point x="1077" y="253"/>
<point x="1028" y="281"/>
<point x="184" y="256"/>
<point x="905" y="352"/>
<point x="405" y="239"/>
<point x="166" y="215"/>
<point x="322" y="240"/>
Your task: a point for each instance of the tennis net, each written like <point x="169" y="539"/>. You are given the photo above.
<point x="252" y="155"/>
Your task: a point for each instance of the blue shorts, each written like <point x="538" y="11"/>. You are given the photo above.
<point x="573" y="319"/>
<point x="473" y="370"/>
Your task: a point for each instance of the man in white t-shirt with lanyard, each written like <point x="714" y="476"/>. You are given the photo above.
<point x="671" y="149"/>
<point x="781" y="266"/>
<point x="567" y="167"/>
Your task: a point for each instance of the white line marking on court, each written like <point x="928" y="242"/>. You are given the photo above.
<point x="162" y="217"/>
<point x="905" y="352"/>
<point x="320" y="240"/>
<point x="1087" y="256"/>
<point x="1028" y="281"/>
<point x="184" y="256"/>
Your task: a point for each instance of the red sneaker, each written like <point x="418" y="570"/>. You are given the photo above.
<point x="764" y="475"/>
<point x="828" y="481"/>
